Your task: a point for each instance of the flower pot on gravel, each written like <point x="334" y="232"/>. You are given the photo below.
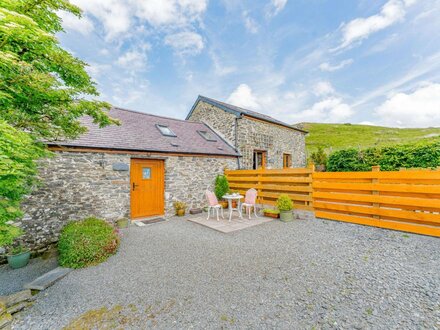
<point x="180" y="212"/>
<point x="19" y="260"/>
<point x="286" y="216"/>
<point x="122" y="223"/>
<point x="271" y="213"/>
<point x="285" y="205"/>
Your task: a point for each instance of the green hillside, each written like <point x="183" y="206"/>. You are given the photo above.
<point x="340" y="136"/>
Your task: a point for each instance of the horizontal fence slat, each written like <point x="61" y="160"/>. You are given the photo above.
<point x="391" y="200"/>
<point x="409" y="188"/>
<point x="395" y="225"/>
<point x="425" y="217"/>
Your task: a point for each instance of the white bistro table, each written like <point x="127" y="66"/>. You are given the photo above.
<point x="230" y="198"/>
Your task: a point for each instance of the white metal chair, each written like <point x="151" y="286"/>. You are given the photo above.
<point x="250" y="201"/>
<point x="213" y="204"/>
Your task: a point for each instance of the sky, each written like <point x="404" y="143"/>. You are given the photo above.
<point x="358" y="61"/>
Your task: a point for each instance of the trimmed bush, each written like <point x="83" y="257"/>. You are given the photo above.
<point x="221" y="186"/>
<point x="87" y="242"/>
<point x="284" y="203"/>
<point x="389" y="158"/>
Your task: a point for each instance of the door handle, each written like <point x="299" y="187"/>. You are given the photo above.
<point x="134" y="185"/>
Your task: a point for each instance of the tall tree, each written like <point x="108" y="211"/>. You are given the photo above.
<point x="44" y="91"/>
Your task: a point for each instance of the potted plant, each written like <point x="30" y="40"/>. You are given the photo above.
<point x="180" y="208"/>
<point x="18" y="256"/>
<point x="221" y="188"/>
<point x="271" y="213"/>
<point x="285" y="206"/>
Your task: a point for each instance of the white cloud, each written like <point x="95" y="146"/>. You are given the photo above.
<point x="420" y="108"/>
<point x="132" y="60"/>
<point x="323" y="88"/>
<point x="82" y="25"/>
<point x="250" y="24"/>
<point x="117" y="16"/>
<point x="276" y="6"/>
<point x="329" y="110"/>
<point x="221" y="69"/>
<point x="185" y="43"/>
<point x="330" y="68"/>
<point x="243" y="96"/>
<point x="361" y="28"/>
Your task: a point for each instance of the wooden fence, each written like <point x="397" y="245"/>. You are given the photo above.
<point x="296" y="182"/>
<point x="404" y="200"/>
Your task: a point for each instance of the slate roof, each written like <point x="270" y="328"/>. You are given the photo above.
<point x="138" y="132"/>
<point x="241" y="111"/>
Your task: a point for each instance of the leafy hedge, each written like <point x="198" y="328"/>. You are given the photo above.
<point x="389" y="158"/>
<point x="86" y="243"/>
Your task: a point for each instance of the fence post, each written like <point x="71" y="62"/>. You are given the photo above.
<point x="259" y="184"/>
<point x="375" y="192"/>
<point x="312" y="169"/>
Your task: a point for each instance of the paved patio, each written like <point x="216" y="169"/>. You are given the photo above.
<point x="226" y="226"/>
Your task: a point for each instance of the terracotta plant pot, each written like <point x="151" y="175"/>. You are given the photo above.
<point x="234" y="204"/>
<point x="272" y="215"/>
<point x="180" y="213"/>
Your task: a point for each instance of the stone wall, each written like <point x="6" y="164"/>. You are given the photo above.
<point x="275" y="139"/>
<point x="254" y="135"/>
<point x="221" y="121"/>
<point x="75" y="185"/>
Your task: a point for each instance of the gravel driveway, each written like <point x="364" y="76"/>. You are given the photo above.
<point x="311" y="274"/>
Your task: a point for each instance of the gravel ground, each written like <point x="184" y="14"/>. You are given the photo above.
<point x="12" y="280"/>
<point x="311" y="274"/>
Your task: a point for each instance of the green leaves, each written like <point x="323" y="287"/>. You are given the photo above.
<point x="221" y="186"/>
<point x="18" y="152"/>
<point x="44" y="91"/>
<point x="87" y="242"/>
<point x="420" y="155"/>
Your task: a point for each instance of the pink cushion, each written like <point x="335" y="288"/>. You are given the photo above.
<point x="212" y="199"/>
<point x="251" y="196"/>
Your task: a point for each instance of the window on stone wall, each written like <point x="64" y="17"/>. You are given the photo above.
<point x="287" y="160"/>
<point x="259" y="159"/>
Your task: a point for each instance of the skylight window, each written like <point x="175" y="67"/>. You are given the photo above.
<point x="165" y="130"/>
<point x="208" y="136"/>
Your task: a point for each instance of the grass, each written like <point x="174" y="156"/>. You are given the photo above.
<point x="341" y="136"/>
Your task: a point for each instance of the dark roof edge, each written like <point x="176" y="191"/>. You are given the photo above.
<point x="142" y="150"/>
<point x="238" y="113"/>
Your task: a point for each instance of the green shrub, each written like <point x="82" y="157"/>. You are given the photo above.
<point x="389" y="158"/>
<point x="319" y="157"/>
<point x="271" y="211"/>
<point x="284" y="203"/>
<point x="221" y="186"/>
<point x="87" y="242"/>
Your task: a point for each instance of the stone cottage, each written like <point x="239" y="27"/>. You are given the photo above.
<point x="135" y="170"/>
<point x="138" y="169"/>
<point x="263" y="141"/>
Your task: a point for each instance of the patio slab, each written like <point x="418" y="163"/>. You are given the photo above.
<point x="224" y="226"/>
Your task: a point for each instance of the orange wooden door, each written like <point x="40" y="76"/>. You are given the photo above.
<point x="147" y="187"/>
